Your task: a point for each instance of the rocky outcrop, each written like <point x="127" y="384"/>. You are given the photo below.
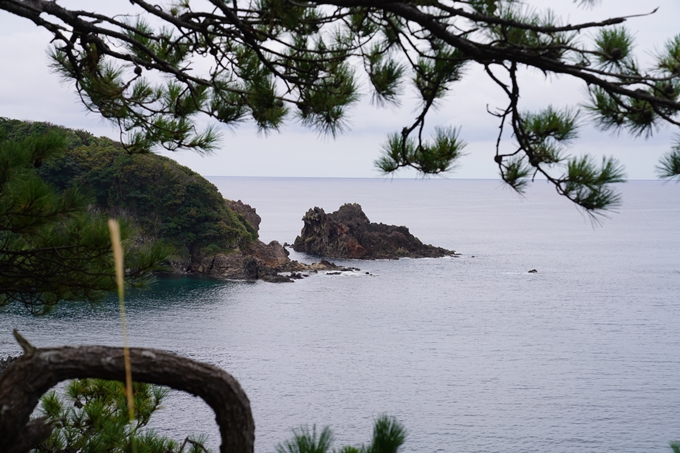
<point x="260" y="261"/>
<point x="252" y="259"/>
<point x="246" y="211"/>
<point x="255" y="260"/>
<point x="347" y="233"/>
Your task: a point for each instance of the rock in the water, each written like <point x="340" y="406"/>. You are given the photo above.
<point x="276" y="279"/>
<point x="254" y="260"/>
<point x="259" y="261"/>
<point x="347" y="233"/>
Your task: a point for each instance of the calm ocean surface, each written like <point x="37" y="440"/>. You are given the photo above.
<point x="472" y="354"/>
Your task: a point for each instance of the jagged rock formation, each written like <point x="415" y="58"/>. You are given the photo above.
<point x="255" y="260"/>
<point x="246" y="211"/>
<point x="347" y="233"/>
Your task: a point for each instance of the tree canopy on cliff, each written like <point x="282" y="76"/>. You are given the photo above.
<point x="52" y="248"/>
<point x="266" y="60"/>
<point x="162" y="199"/>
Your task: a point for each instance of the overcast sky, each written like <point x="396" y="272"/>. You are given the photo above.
<point x="28" y="91"/>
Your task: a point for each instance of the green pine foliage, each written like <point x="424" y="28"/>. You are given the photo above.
<point x="92" y="417"/>
<point x="614" y="53"/>
<point x="438" y="155"/>
<point x="52" y="246"/>
<point x="614" y="49"/>
<point x="388" y="436"/>
<point x="669" y="167"/>
<point x="589" y="186"/>
<point x="516" y="173"/>
<point x="545" y="138"/>
<point x="164" y="200"/>
<point x="268" y="61"/>
<point x="305" y="440"/>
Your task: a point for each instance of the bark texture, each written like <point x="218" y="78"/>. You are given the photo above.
<point x="27" y="379"/>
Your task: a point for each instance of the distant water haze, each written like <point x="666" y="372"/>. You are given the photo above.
<point x="472" y="354"/>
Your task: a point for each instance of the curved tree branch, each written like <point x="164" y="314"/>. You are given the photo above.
<point x="27" y="379"/>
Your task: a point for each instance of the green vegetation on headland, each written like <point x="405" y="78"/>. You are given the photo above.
<point x="52" y="246"/>
<point x="165" y="201"/>
<point x="59" y="186"/>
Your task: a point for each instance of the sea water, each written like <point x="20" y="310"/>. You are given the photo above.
<point x="472" y="354"/>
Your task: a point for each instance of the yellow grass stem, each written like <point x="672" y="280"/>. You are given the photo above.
<point x="117" y="247"/>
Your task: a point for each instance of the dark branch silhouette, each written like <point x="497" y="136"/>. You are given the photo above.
<point x="39" y="369"/>
<point x="263" y="60"/>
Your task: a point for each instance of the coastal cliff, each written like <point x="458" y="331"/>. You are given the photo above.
<point x="166" y="202"/>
